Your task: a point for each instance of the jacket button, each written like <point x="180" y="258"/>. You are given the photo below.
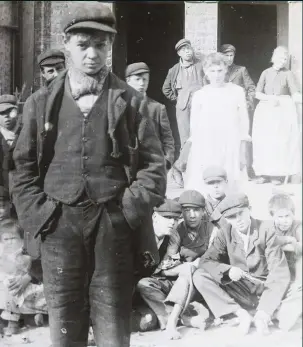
<point x="84" y="139"/>
<point x="85" y="158"/>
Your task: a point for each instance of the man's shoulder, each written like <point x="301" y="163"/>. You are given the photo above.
<point x="153" y="103"/>
<point x="174" y="67"/>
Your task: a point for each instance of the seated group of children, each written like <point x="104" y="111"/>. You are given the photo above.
<point x="219" y="264"/>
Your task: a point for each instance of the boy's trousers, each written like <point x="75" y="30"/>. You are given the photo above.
<point x="87" y="263"/>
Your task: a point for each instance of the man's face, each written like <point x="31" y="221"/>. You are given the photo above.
<point x="217" y="188"/>
<point x="280" y="60"/>
<point x="193" y="216"/>
<point x="230" y="56"/>
<point x="8" y="119"/>
<point x="139" y="82"/>
<point x="88" y="51"/>
<point x="240" y="220"/>
<point x="283" y="219"/>
<point x="216" y="74"/>
<point x="49" y="72"/>
<point x="186" y="53"/>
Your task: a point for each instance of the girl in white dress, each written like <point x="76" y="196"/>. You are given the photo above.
<point x="218" y="126"/>
<point x="276" y="142"/>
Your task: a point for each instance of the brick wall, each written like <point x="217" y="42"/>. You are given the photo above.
<point x="201" y="21"/>
<point x="6" y="18"/>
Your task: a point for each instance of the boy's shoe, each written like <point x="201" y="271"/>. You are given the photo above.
<point x="261" y="327"/>
<point x="13" y="328"/>
<point x="261" y="180"/>
<point x="39" y="319"/>
<point x="276" y="182"/>
<point x="245" y="322"/>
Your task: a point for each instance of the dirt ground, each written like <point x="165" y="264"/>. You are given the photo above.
<point x="222" y="336"/>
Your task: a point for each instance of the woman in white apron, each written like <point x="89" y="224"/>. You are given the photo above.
<point x="218" y="126"/>
<point x="276" y="150"/>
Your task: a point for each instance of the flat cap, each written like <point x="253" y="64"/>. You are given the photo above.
<point x="7" y="101"/>
<point x="169" y="209"/>
<point x="227" y="48"/>
<point x="136" y="68"/>
<point x="214" y="173"/>
<point x="51" y="57"/>
<point x="192" y="198"/>
<point x="182" y="43"/>
<point x="233" y="203"/>
<point x="89" y="15"/>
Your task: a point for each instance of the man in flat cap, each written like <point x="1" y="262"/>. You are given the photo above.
<point x="239" y="75"/>
<point x="137" y="76"/>
<point x="243" y="269"/>
<point x="169" y="297"/>
<point x="89" y="170"/>
<point x="9" y="130"/>
<point x="51" y="63"/>
<point x="182" y="80"/>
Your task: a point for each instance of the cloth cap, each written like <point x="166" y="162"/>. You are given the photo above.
<point x="136" y="69"/>
<point x="233" y="203"/>
<point x="89" y="15"/>
<point x="169" y="209"/>
<point x="214" y="173"/>
<point x="7" y="101"/>
<point x="192" y="198"/>
<point x="182" y="43"/>
<point x="227" y="48"/>
<point x="51" y="57"/>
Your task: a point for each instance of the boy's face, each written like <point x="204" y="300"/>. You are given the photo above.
<point x="8" y="118"/>
<point x="186" y="53"/>
<point x="163" y="226"/>
<point x="217" y="189"/>
<point x="283" y="219"/>
<point x="139" y="82"/>
<point x="230" y="56"/>
<point x="88" y="51"/>
<point x="10" y="238"/>
<point x="216" y="74"/>
<point x="240" y="220"/>
<point x="193" y="215"/>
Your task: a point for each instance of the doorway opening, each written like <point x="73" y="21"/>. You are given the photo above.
<point x="252" y="29"/>
<point x="148" y="32"/>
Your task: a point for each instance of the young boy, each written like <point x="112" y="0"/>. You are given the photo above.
<point x="23" y="294"/>
<point x="289" y="237"/>
<point x="216" y="184"/>
<point x="9" y="127"/>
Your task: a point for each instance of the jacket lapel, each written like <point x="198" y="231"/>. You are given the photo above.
<point x="116" y="104"/>
<point x="254" y="236"/>
<point x="233" y="73"/>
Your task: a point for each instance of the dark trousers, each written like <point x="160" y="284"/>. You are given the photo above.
<point x="223" y="299"/>
<point x="87" y="262"/>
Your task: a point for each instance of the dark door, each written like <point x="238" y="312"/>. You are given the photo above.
<point x="148" y="32"/>
<point x="252" y="29"/>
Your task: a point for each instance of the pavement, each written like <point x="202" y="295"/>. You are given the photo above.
<point x="222" y="336"/>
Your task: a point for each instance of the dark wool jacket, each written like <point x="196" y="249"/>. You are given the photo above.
<point x="169" y="86"/>
<point x="134" y="142"/>
<point x="263" y="259"/>
<point x="158" y="114"/>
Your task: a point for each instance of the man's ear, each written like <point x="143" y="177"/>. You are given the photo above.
<point x="65" y="40"/>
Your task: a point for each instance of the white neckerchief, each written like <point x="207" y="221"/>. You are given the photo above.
<point x="245" y="238"/>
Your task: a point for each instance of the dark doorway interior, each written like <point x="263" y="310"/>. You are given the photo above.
<point x="148" y="31"/>
<point x="252" y="29"/>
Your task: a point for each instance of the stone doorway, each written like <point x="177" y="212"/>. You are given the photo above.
<point x="252" y="29"/>
<point x="148" y="31"/>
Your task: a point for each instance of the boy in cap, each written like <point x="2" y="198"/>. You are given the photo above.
<point x="9" y="129"/>
<point x="216" y="183"/>
<point x="89" y="171"/>
<point x="289" y="237"/>
<point x="239" y="75"/>
<point x="243" y="269"/>
<point x="51" y="63"/>
<point x="169" y="297"/>
<point x="137" y="76"/>
<point x="165" y="221"/>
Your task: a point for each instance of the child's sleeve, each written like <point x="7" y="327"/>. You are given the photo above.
<point x="298" y="248"/>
